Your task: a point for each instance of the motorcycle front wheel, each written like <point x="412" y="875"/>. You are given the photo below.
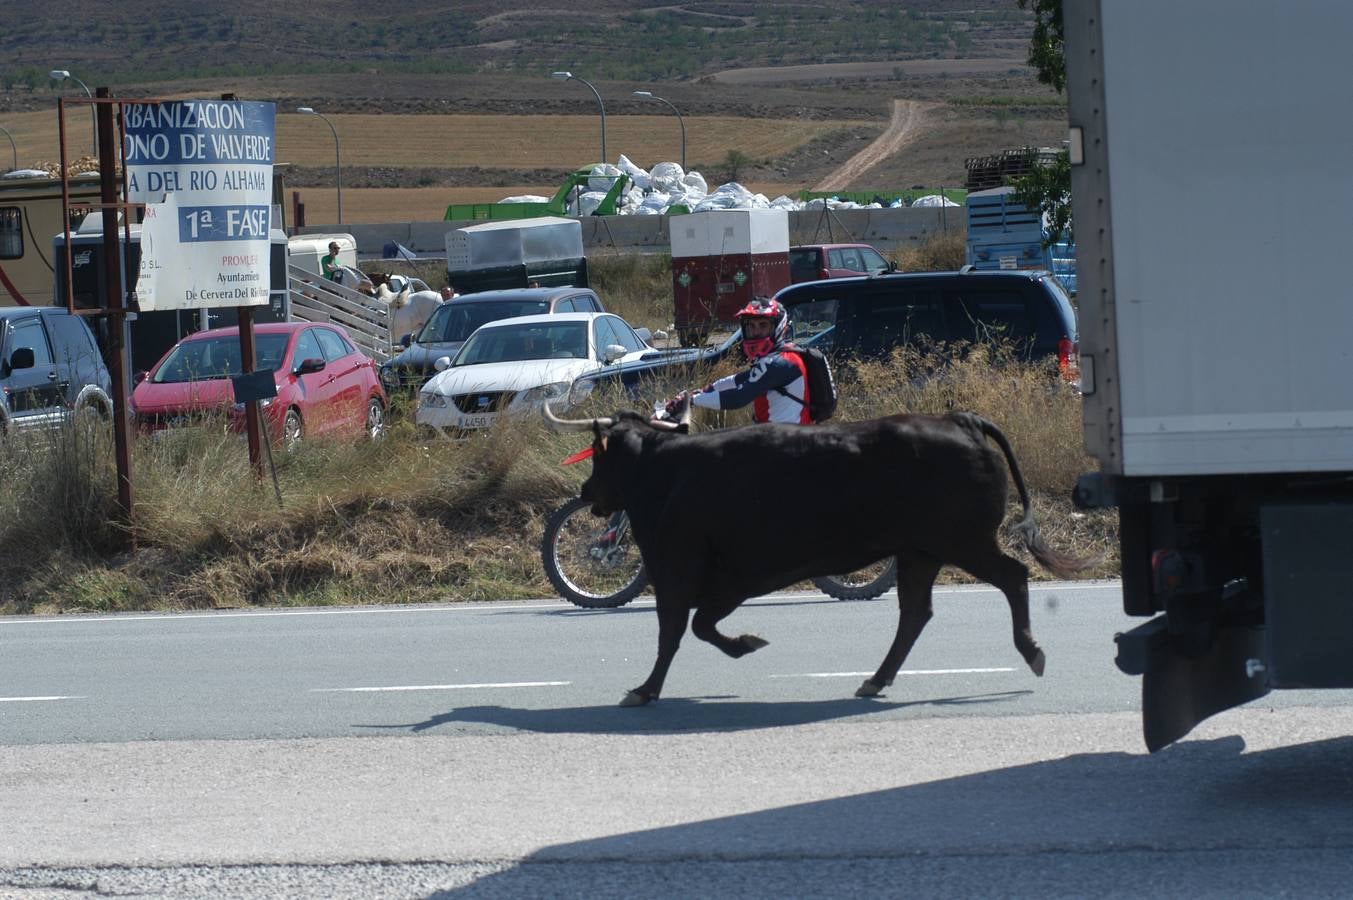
<point x="590" y="563"/>
<point x="868" y="583"/>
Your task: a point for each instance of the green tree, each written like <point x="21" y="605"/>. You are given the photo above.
<point x="1046" y="46"/>
<point x="1048" y="188"/>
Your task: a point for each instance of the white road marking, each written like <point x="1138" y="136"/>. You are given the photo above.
<point x="34" y="699"/>
<point x="438" y="687"/>
<point x="1035" y="589"/>
<point x="906" y="672"/>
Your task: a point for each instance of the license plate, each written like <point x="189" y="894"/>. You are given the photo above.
<point x="484" y="420"/>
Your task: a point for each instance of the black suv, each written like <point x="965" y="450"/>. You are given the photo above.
<point x="868" y="317"/>
<point x="456" y="319"/>
<point x="49" y="368"/>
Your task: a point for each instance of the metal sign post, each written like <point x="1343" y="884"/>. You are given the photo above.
<point x="116" y="301"/>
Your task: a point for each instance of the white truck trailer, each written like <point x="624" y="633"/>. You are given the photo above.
<point x="1213" y="199"/>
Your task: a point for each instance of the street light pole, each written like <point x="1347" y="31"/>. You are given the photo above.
<point x="62" y="75"/>
<point x="680" y="121"/>
<point x="338" y="166"/>
<point x="569" y="76"/>
<point x="12" y="146"/>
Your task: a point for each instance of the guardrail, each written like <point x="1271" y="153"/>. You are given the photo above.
<point x="317" y="299"/>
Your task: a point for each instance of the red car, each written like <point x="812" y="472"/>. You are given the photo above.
<point x="325" y="385"/>
<point x="813" y="262"/>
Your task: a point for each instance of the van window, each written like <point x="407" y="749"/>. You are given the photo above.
<point x="894" y="319"/>
<point x="72" y="338"/>
<point x="29" y="333"/>
<point x="809" y="320"/>
<point x="11" y="233"/>
<point x="982" y="316"/>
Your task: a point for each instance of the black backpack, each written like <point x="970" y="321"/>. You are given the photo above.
<point x="821" y="387"/>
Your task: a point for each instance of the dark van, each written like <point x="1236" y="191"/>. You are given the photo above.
<point x="868" y="317"/>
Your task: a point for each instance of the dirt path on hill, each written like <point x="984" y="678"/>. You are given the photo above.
<point x="908" y="119"/>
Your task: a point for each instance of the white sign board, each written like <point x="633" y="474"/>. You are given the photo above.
<point x="204" y="169"/>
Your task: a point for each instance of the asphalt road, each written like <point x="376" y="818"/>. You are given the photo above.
<point x="478" y="751"/>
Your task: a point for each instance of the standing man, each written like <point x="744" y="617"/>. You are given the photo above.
<point x="329" y="264"/>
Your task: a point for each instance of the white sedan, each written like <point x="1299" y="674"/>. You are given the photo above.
<point x="516" y="365"/>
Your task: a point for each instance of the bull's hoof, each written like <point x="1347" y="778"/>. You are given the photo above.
<point x="869" y="689"/>
<point x="752" y="642"/>
<point x="636" y="697"/>
<point x="1037" y="663"/>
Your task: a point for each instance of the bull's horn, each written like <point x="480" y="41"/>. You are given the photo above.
<point x="686" y="415"/>
<point x="663" y="425"/>
<point x="572" y="424"/>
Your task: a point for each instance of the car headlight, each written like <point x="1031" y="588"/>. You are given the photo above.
<point x="581" y="390"/>
<point x="263" y="404"/>
<point x="544" y="393"/>
<point x="389" y="377"/>
<point x="432" y="399"/>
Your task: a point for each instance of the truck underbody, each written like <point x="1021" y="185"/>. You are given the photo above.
<point x="1247" y="580"/>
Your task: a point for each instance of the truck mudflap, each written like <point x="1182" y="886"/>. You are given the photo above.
<point x="1181" y="689"/>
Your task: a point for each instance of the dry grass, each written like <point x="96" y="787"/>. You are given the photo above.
<point x="500" y="142"/>
<point x="409" y="520"/>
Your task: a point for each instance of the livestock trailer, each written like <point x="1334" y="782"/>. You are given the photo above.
<point x="546" y="251"/>
<point x="1004" y="234"/>
<point x="721" y="260"/>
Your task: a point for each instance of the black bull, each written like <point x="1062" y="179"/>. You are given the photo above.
<point x="711" y="515"/>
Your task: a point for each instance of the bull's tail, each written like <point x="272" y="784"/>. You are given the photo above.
<point x="1060" y="564"/>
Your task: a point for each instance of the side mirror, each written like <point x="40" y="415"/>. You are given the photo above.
<point x="442" y="364"/>
<point x="138" y="378"/>
<point x="21" y="358"/>
<point x="308" y="366"/>
<point x="406" y="340"/>
<point x="613" y="352"/>
<point x="892" y="266"/>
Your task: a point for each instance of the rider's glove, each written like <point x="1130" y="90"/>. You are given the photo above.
<point x="676" y="402"/>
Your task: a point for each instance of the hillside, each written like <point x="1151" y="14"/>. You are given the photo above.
<point x="607" y="40"/>
<point x="741" y="74"/>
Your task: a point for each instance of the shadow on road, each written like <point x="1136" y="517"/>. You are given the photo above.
<point x="679" y="715"/>
<point x="1201" y="813"/>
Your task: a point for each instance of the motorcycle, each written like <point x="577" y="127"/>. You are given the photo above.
<point x="594" y="563"/>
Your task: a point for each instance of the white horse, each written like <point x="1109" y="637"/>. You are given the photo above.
<point x="408" y="309"/>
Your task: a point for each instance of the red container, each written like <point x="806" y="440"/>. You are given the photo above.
<point x="721" y="260"/>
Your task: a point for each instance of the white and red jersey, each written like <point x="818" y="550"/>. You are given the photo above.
<point x="776" y="385"/>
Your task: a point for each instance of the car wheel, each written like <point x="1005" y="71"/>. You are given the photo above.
<point x="375" y="419"/>
<point x="292" y="429"/>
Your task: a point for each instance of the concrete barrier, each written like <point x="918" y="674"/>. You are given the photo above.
<point x="886" y="229"/>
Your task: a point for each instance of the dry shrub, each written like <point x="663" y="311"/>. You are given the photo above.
<point x="636" y="287"/>
<point x="943" y="252"/>
<point x="412" y="519"/>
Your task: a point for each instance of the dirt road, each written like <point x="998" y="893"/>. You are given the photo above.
<point x="905" y="126"/>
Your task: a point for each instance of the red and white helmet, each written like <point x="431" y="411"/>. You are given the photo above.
<point x="763" y="308"/>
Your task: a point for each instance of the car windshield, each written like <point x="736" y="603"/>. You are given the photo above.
<point x="538" y="340"/>
<point x="218" y="357"/>
<point x="456" y="321"/>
